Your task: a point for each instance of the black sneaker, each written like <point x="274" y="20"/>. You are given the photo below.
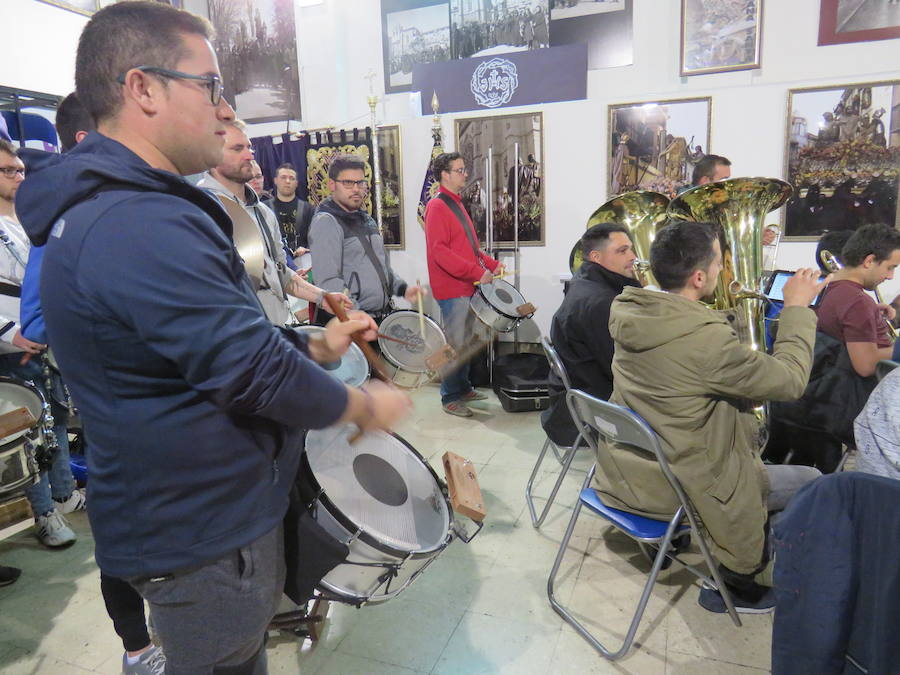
<point x="712" y="601"/>
<point x="8" y="575"/>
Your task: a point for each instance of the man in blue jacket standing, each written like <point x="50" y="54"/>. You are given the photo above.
<point x="194" y="403"/>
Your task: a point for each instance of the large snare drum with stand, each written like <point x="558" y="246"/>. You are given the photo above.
<point x="408" y="352"/>
<point x="381" y="499"/>
<point x="500" y="306"/>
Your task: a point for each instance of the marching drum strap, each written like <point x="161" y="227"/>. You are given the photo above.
<point x="464" y="223"/>
<point x="382" y="277"/>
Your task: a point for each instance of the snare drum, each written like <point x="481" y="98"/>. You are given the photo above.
<point x="352" y="369"/>
<point x="496" y="305"/>
<point x="409" y="359"/>
<point x="380" y="498"/>
<point x="18" y="451"/>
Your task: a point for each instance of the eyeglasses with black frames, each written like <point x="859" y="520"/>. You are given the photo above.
<point x="350" y="184"/>
<point x="12" y="171"/>
<point x="212" y="82"/>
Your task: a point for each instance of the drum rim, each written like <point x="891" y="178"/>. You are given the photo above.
<point x="25" y="384"/>
<point x="383" y="344"/>
<point x="320" y="330"/>
<point x="484" y="298"/>
<point x="364" y="535"/>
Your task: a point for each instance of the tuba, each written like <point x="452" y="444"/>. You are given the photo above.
<point x="643" y="213"/>
<point x="738" y="208"/>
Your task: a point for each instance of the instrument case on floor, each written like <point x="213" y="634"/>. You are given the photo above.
<point x="521" y="382"/>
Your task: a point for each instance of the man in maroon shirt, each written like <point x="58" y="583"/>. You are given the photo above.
<point x="455" y="263"/>
<point x="846" y="312"/>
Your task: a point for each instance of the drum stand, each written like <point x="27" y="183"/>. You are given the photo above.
<point x="308" y="622"/>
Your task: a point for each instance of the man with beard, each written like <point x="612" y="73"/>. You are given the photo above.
<point x="580" y="327"/>
<point x="347" y="248"/>
<point x="228" y="181"/>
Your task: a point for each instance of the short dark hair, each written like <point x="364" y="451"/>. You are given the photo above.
<point x="442" y="163"/>
<point x="8" y="148"/>
<point x="126" y="35"/>
<point x="72" y="117"/>
<point x="834" y="243"/>
<point x="287" y="166"/>
<point x="707" y="167"/>
<point x="678" y="250"/>
<point x="597" y="237"/>
<point x="876" y="239"/>
<point x="345" y="163"/>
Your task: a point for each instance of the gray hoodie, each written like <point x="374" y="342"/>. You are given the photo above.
<point x="339" y="259"/>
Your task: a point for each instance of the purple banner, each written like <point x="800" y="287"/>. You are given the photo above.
<point x="504" y="80"/>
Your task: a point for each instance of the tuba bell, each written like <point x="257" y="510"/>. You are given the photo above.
<point x="738" y="208"/>
<point x="642" y="212"/>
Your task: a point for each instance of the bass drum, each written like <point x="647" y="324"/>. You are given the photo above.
<point x="382" y="500"/>
<point x="352" y="369"/>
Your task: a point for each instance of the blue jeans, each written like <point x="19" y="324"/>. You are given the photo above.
<point x="457" y="322"/>
<point x="57" y="482"/>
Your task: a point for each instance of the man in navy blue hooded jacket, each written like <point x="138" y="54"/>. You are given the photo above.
<point x="194" y="403"/>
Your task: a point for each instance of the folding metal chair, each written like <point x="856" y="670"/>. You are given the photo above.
<point x="615" y="423"/>
<point x="568" y="451"/>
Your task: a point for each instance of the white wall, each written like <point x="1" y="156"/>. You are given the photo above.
<point x="340" y="41"/>
<point x="748" y="114"/>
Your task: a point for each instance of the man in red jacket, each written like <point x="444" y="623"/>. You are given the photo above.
<point x="455" y="263"/>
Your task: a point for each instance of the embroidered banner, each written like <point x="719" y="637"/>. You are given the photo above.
<point x="504" y="80"/>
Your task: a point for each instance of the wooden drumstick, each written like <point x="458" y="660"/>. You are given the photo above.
<point x="337" y="308"/>
<point x="421" y="313"/>
<point x="496" y="276"/>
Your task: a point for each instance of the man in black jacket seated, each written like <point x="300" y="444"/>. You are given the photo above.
<point x="580" y="328"/>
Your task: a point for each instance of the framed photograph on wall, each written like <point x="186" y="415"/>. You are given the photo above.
<point x="86" y="7"/>
<point x="390" y="166"/>
<point x="499" y="178"/>
<point x="488" y="27"/>
<point x="256" y="44"/>
<point x="606" y="28"/>
<point x="412" y="31"/>
<point x="720" y="36"/>
<point x="842" y="157"/>
<point x="842" y="21"/>
<point x="654" y="145"/>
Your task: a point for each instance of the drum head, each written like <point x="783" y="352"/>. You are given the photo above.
<point x="14" y="395"/>
<point x="503" y="297"/>
<point x="381" y="485"/>
<point x="404" y="325"/>
<point x="352" y="369"/>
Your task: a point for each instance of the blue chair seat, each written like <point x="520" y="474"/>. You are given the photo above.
<point x="637" y="526"/>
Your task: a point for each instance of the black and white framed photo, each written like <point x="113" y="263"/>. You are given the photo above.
<point x="720" y="35"/>
<point x="256" y="44"/>
<point x="412" y="31"/>
<point x="488" y="27"/>
<point x="607" y="28"/>
<point x="842" y="157"/>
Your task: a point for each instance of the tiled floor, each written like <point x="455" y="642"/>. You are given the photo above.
<point x="480" y="608"/>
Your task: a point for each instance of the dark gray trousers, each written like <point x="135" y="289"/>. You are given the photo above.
<point x="212" y="620"/>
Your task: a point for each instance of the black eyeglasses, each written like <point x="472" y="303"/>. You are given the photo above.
<point x="11" y="171"/>
<point x="350" y="184"/>
<point x="211" y="82"/>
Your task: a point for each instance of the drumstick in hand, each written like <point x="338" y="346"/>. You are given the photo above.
<point x="421" y="313"/>
<point x="496" y="276"/>
<point x="337" y="308"/>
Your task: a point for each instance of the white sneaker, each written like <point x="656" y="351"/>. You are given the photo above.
<point x="77" y="501"/>
<point x="53" y="530"/>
